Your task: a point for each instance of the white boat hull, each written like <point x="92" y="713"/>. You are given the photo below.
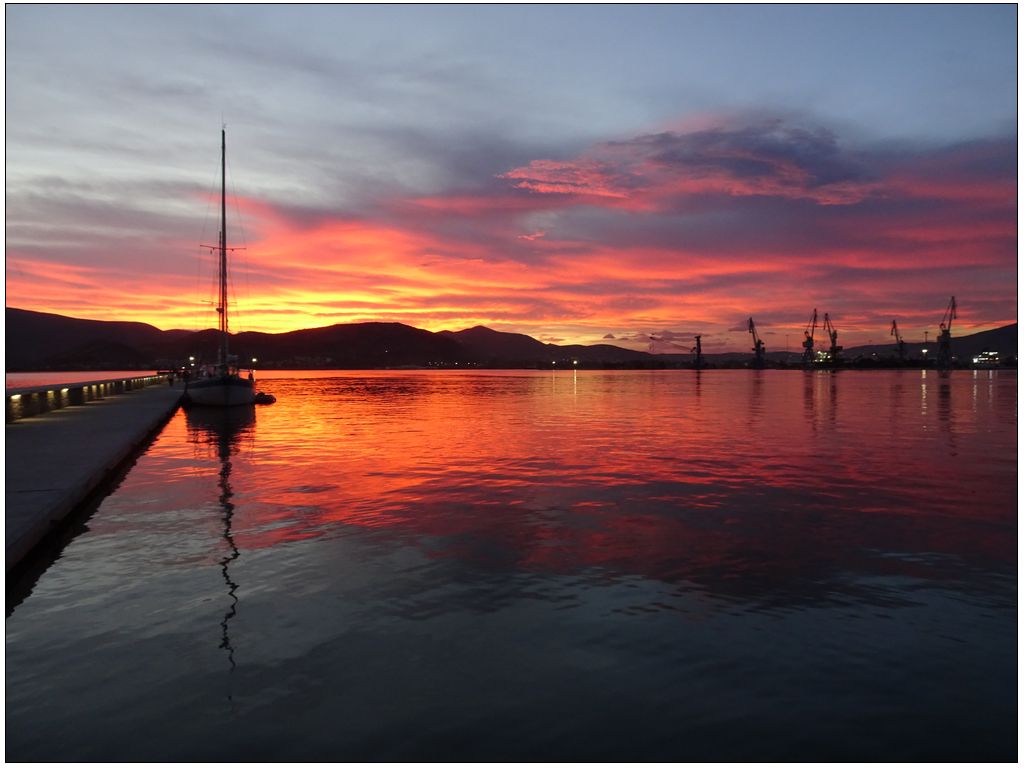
<point x="221" y="391"/>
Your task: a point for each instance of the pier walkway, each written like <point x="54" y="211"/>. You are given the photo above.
<point x="56" y="459"/>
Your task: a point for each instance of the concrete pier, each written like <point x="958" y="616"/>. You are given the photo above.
<point x="54" y="460"/>
<point x="23" y="402"/>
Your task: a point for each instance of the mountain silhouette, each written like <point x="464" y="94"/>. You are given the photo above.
<point x="39" y="341"/>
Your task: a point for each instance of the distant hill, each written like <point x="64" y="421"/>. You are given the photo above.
<point x="41" y="341"/>
<point x="358" y="345"/>
<point x="493" y="347"/>
<point x="496" y="348"/>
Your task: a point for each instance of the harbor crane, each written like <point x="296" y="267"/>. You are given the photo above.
<point x="833" y="334"/>
<point x="758" y="349"/>
<point x="808" y="342"/>
<point x="692" y="350"/>
<point x="901" y="347"/>
<point x="945" y="335"/>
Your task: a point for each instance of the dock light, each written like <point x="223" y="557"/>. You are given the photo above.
<point x="924" y="351"/>
<point x="254" y="361"/>
<point x="575" y="362"/>
<point x="15" y="397"/>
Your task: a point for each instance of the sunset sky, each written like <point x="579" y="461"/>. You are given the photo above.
<point x="582" y="174"/>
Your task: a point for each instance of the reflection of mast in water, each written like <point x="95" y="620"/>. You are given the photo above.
<point x="224" y="427"/>
<point x="229" y="513"/>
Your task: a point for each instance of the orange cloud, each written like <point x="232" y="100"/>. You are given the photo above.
<point x="693" y="230"/>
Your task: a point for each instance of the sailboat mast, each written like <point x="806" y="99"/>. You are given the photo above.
<point x="223" y="351"/>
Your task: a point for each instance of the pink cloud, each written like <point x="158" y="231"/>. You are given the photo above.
<point x="652" y="172"/>
<point x="695" y="228"/>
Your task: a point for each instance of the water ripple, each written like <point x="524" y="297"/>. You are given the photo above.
<point x="525" y="565"/>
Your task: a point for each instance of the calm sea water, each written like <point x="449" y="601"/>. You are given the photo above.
<point x="725" y="565"/>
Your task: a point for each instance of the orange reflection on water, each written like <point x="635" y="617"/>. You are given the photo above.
<point x="680" y="476"/>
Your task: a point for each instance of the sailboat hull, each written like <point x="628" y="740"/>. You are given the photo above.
<point x="221" y="391"/>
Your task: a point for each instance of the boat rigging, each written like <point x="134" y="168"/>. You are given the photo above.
<point x="221" y="384"/>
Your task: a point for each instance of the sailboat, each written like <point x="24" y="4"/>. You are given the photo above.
<point x="222" y="384"/>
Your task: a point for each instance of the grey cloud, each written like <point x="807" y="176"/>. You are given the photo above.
<point x="759" y="150"/>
